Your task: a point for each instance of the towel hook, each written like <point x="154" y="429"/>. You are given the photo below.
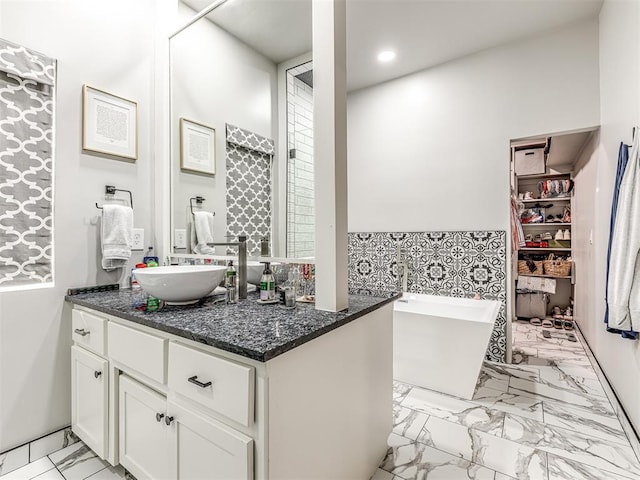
<point x="111" y="190"/>
<point x="198" y="200"/>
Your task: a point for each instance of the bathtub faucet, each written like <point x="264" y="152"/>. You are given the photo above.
<point x="403" y="270"/>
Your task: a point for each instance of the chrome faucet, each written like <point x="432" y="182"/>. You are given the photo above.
<point x="242" y="262"/>
<point x="403" y="270"/>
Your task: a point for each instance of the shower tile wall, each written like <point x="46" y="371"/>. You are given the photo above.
<point x="300" y="190"/>
<point x="457" y="264"/>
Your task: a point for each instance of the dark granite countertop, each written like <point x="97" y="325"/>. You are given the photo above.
<point x="259" y="332"/>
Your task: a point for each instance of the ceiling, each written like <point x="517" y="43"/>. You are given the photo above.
<point x="423" y="33"/>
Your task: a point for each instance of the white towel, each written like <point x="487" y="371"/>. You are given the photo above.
<point x="202" y="233"/>
<point x="116" y="236"/>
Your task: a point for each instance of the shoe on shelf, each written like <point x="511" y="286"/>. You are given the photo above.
<point x="537" y="238"/>
<point x="528" y="238"/>
<point x="567" y="235"/>
<point x="568" y="313"/>
<point x="546" y="236"/>
<point x="556" y="313"/>
<point x="559" y="235"/>
<point x="528" y="196"/>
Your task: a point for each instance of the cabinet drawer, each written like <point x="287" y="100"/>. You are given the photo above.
<point x="140" y="351"/>
<point x="216" y="383"/>
<point x="88" y="331"/>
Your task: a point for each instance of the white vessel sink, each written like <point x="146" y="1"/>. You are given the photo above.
<point x="182" y="284"/>
<point x="254" y="271"/>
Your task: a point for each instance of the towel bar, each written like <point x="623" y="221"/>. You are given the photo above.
<point x="111" y="190"/>
<point x="199" y="201"/>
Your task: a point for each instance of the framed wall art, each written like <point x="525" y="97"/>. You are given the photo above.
<point x="197" y="147"/>
<point x="109" y="124"/>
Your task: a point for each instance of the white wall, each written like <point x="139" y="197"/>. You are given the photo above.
<point x="216" y="80"/>
<point x="620" y="112"/>
<point x="107" y="44"/>
<point x="430" y="151"/>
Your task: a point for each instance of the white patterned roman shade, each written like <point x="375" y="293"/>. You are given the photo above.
<point x="248" y="185"/>
<point x="27" y="81"/>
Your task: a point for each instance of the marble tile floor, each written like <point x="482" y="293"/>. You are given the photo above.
<point x="531" y="348"/>
<point x="74" y="462"/>
<point x="546" y="418"/>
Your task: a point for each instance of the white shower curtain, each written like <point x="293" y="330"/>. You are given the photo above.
<point x="624" y="275"/>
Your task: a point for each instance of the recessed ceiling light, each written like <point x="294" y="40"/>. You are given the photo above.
<point x="386" y="56"/>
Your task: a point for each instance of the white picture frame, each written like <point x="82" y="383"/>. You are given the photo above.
<point x="109" y="124"/>
<point x="197" y="147"/>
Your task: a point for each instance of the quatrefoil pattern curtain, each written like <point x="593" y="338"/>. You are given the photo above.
<point x="27" y="82"/>
<point x="249" y="160"/>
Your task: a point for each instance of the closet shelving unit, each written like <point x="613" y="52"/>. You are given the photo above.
<point x="529" y="183"/>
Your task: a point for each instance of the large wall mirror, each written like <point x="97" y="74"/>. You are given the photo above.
<point x="241" y="103"/>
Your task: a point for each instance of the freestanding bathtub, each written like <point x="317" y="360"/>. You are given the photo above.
<point x="440" y="342"/>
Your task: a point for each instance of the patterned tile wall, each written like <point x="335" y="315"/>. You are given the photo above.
<point x="248" y="186"/>
<point x="26" y="166"/>
<point x="456" y="264"/>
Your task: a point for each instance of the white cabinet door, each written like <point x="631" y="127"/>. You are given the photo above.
<point x="206" y="449"/>
<point x="89" y="389"/>
<point x="145" y="437"/>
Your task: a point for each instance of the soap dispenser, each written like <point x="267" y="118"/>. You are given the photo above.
<point x="267" y="285"/>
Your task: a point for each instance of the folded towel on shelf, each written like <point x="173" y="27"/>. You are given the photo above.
<point x="116" y="236"/>
<point x="202" y="233"/>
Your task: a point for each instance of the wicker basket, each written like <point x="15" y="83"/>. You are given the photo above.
<point x="523" y="267"/>
<point x="557" y="268"/>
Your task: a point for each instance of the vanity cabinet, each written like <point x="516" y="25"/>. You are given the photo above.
<point x="169" y="407"/>
<point x="162" y="402"/>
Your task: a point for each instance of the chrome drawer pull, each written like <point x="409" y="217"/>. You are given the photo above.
<point x="200" y="384"/>
<point x="97" y="373"/>
<point x="159" y="417"/>
<point x="82" y="331"/>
